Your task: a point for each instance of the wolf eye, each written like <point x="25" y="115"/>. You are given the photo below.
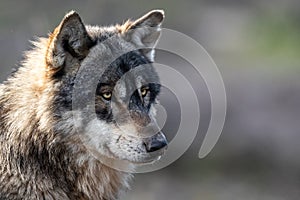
<point x="144" y="91"/>
<point x="106" y="95"/>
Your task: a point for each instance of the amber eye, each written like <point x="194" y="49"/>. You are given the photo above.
<point x="107" y="95"/>
<point x="144" y="91"/>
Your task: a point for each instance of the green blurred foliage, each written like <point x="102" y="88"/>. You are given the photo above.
<point x="276" y="37"/>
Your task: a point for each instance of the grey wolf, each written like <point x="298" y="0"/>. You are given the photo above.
<point x="42" y="153"/>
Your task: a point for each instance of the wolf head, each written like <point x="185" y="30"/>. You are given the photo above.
<point x="110" y="70"/>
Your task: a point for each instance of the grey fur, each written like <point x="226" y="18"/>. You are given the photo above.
<point x="42" y="155"/>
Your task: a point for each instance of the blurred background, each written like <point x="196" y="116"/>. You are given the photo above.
<point x="256" y="46"/>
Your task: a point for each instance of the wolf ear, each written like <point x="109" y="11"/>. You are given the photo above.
<point x="70" y="38"/>
<point x="145" y="31"/>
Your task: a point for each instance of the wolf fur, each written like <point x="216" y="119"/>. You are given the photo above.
<point x="42" y="155"/>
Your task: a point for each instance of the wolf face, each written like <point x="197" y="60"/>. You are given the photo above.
<point x="121" y="87"/>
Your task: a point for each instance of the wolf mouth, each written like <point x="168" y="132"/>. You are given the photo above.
<point x="149" y="150"/>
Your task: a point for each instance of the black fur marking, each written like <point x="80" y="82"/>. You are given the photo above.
<point x="117" y="69"/>
<point x="109" y="78"/>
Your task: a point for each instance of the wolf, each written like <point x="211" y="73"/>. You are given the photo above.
<point x="51" y="149"/>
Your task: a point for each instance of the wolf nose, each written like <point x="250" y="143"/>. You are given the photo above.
<point x="156" y="142"/>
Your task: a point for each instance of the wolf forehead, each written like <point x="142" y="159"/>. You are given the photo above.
<point x="72" y="39"/>
<point x="116" y="49"/>
<point x="107" y="53"/>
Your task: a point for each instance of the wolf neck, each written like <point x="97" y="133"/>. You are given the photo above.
<point x="38" y="154"/>
<point x="97" y="181"/>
